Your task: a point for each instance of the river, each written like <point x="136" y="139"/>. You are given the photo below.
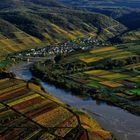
<point x="124" y="125"/>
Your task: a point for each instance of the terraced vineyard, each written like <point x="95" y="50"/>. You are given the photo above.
<point x="21" y="41"/>
<point x="29" y="114"/>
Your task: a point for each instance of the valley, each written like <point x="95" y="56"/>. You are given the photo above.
<point x="102" y="73"/>
<point x="69" y="70"/>
<point x="24" y="27"/>
<point x="107" y="115"/>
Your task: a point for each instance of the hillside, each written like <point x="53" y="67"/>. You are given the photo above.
<point x="17" y="3"/>
<point x="133" y="35"/>
<point x="114" y="3"/>
<point x="126" y="12"/>
<point x="35" y="23"/>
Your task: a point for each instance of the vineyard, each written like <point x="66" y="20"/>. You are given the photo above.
<point x="113" y="53"/>
<point x="110" y="73"/>
<point x="27" y="114"/>
<point x="112" y="67"/>
<point x="20" y="42"/>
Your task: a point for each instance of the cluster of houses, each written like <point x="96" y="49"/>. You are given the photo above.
<point x="63" y="48"/>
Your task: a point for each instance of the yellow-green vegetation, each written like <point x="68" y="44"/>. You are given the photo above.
<point x="107" y="78"/>
<point x="26" y="109"/>
<point x="98" y="72"/>
<point x="5" y="63"/>
<point x="91" y="59"/>
<point x="133" y="35"/>
<point x="23" y="27"/>
<point x="28" y="103"/>
<point x="133" y="66"/>
<point x="21" y="42"/>
<point x="114" y="76"/>
<point x="39" y="90"/>
<point x="95" y="131"/>
<point x="101" y="79"/>
<point x="102" y="50"/>
<point x="110" y="84"/>
<point x="113" y="53"/>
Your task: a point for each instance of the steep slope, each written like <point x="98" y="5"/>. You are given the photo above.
<point x="126" y="12"/>
<point x="131" y="36"/>
<point x="54" y="22"/>
<point x="13" y="39"/>
<point x="50" y="23"/>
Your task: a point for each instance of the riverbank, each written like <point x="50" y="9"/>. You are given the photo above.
<point x="43" y="116"/>
<point x="79" y="90"/>
<point x="124" y="104"/>
<point x="95" y="131"/>
<point x="109" y="117"/>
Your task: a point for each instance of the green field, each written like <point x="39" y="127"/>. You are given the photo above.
<point x="5" y="63"/>
<point x="100" y="68"/>
<point x="134" y="91"/>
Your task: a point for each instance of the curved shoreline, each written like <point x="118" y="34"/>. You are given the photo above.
<point x="92" y="126"/>
<point x="108" y="98"/>
<point x="111" y="115"/>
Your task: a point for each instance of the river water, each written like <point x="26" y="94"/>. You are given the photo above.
<point x="124" y="125"/>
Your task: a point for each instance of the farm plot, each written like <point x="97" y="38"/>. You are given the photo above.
<point x="113" y="53"/>
<point x="132" y="47"/>
<point x="5" y="63"/>
<point x="63" y="128"/>
<point x="95" y="84"/>
<point x="91" y="59"/>
<point x="104" y="78"/>
<point x="14" y="126"/>
<point x="98" y="72"/>
<point x="111" y="84"/>
<point x="53" y="118"/>
<point x="11" y="86"/>
<point x="115" y="76"/>
<point x="80" y="78"/>
<point x="87" y="80"/>
<point x="127" y="96"/>
<point x="134" y="91"/>
<point x="135" y="79"/>
<point x="102" y="50"/>
<point x="24" y="112"/>
<point x="104" y="74"/>
<point x="133" y="66"/>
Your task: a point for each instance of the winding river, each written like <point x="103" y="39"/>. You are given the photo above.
<point x="124" y="125"/>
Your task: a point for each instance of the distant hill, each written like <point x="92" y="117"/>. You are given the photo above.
<point x="131" y="36"/>
<point x="29" y="23"/>
<point x="89" y="3"/>
<point x="126" y="12"/>
<point x="16" y="3"/>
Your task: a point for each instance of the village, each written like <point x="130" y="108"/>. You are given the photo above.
<point x="63" y="48"/>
